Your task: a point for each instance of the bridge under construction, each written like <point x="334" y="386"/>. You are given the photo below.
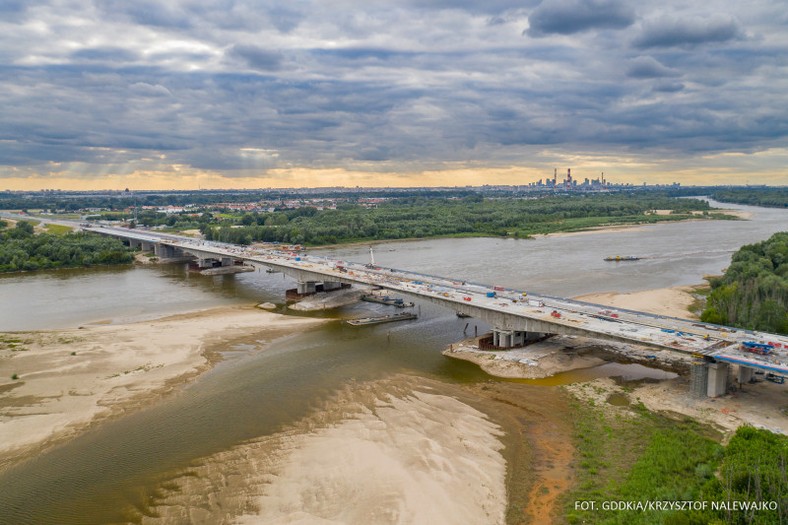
<point x="517" y="317"/>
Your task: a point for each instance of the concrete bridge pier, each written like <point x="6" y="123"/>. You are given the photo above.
<point x="329" y="286"/>
<point x="227" y="261"/>
<point x="744" y="375"/>
<point x="512" y="338"/>
<point x="718" y="379"/>
<point x="709" y="378"/>
<point x="304" y="287"/>
<point x="165" y="251"/>
<point x="147" y="246"/>
<point x="204" y="263"/>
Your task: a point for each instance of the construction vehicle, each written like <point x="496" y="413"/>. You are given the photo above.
<point x="756" y="348"/>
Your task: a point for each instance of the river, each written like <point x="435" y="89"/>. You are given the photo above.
<point x="112" y="473"/>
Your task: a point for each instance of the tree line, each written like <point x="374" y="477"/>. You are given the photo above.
<point x="753" y="292"/>
<point x="21" y="249"/>
<point x="769" y="197"/>
<point x="473" y="215"/>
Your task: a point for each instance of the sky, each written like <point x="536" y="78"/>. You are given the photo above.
<point x="182" y="94"/>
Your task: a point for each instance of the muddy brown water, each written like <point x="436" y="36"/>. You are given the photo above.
<point x="115" y="471"/>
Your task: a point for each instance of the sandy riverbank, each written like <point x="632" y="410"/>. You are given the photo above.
<point x="762" y="404"/>
<point x="330" y="300"/>
<point x="674" y="302"/>
<point x="69" y="378"/>
<point x="389" y="451"/>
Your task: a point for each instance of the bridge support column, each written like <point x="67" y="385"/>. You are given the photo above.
<point x="331" y="285"/>
<point x="699" y="379"/>
<point x="512" y="338"/>
<point x="147" y="246"/>
<point x="718" y="379"/>
<point x="204" y="263"/>
<point x="306" y="287"/>
<point x="227" y="261"/>
<point x="163" y="251"/>
<point x="744" y="375"/>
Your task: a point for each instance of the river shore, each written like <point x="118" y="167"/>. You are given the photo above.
<point x="762" y="404"/>
<point x="383" y="452"/>
<point x="398" y="450"/>
<point x="66" y="380"/>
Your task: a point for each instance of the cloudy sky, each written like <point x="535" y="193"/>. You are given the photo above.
<point x="258" y="93"/>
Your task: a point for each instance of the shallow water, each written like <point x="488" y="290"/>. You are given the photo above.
<point x="111" y="473"/>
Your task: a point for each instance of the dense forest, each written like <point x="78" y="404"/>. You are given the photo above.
<point x="471" y="215"/>
<point x="771" y="197"/>
<point x="23" y="250"/>
<point x="753" y="292"/>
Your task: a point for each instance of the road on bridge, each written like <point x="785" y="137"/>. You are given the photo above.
<point x="565" y="315"/>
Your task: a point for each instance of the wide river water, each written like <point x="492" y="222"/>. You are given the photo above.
<point x="109" y="473"/>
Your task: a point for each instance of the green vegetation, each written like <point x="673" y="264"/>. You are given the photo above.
<point x="14" y="376"/>
<point x="58" y="229"/>
<point x="771" y="197"/>
<point x="650" y="458"/>
<point x="753" y="293"/>
<point x="21" y="250"/>
<point x="440" y="217"/>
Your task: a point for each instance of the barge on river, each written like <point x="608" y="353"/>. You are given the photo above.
<point x="364" y="321"/>
<point x="387" y="300"/>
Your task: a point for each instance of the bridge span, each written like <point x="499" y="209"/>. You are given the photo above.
<point x="517" y="317"/>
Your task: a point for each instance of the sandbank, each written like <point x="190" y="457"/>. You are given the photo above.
<point x="330" y="300"/>
<point x="762" y="405"/>
<point x="389" y="451"/>
<point x="536" y="361"/>
<point x="673" y="302"/>
<point x="67" y="379"/>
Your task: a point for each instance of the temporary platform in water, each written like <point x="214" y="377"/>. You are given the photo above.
<point x="364" y="321"/>
<point x="622" y="258"/>
<point x="387" y="300"/>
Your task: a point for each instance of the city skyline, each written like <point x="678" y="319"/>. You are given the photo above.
<point x="239" y="94"/>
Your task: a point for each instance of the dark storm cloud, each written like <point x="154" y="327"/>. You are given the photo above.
<point x="236" y="84"/>
<point x="668" y="87"/>
<point x="648" y="67"/>
<point x="567" y="17"/>
<point x="672" y="32"/>
<point x="256" y="57"/>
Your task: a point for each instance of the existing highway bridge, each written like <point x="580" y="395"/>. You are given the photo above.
<point x="515" y="316"/>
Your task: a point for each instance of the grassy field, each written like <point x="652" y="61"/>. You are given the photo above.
<point x="631" y="456"/>
<point x="58" y="229"/>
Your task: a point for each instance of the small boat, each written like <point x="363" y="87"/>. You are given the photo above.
<point x="385" y="299"/>
<point x="622" y="258"/>
<point x="364" y="321"/>
<point x="463" y="316"/>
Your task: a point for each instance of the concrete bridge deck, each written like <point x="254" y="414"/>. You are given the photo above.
<point x="510" y="311"/>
